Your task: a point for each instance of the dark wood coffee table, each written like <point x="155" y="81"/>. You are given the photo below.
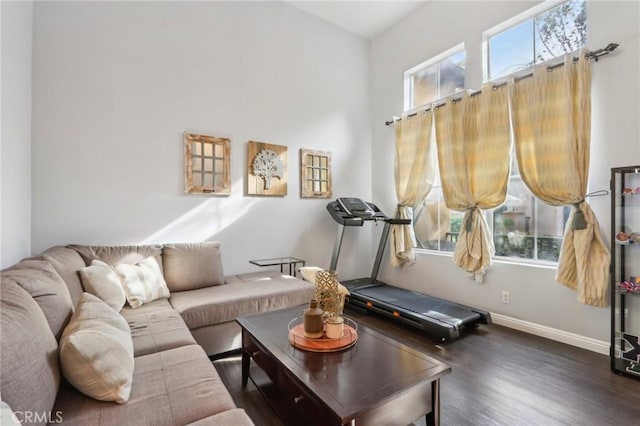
<point x="378" y="381"/>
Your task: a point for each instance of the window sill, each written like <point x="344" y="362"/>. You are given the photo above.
<point x="498" y="259"/>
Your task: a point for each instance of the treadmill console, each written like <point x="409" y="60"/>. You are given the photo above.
<point x="355" y="207"/>
<point x="354" y="211"/>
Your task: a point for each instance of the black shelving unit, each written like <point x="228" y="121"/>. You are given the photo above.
<point x="625" y="271"/>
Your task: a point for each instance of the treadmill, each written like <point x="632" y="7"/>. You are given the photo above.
<point x="440" y="319"/>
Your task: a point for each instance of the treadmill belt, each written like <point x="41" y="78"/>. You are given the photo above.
<point x="432" y="307"/>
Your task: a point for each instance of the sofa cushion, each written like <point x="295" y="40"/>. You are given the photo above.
<point x="156" y="327"/>
<point x="242" y="295"/>
<point x="96" y="351"/>
<point x="219" y="338"/>
<point x="29" y="371"/>
<point x="114" y="255"/>
<point x="235" y="417"/>
<point x="172" y="387"/>
<point x="45" y="285"/>
<point x="103" y="282"/>
<point x="142" y="282"/>
<point x="66" y="262"/>
<point x="191" y="266"/>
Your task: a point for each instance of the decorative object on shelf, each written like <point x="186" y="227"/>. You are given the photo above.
<point x="633" y="354"/>
<point x="326" y="292"/>
<point x="628" y="286"/>
<point x="631" y="191"/>
<point x="206" y="164"/>
<point x="313" y="322"/>
<point x="625" y="271"/>
<point x="625" y="237"/>
<point x="267" y="166"/>
<point x="315" y="174"/>
<point x="347" y="339"/>
<point x="634" y="368"/>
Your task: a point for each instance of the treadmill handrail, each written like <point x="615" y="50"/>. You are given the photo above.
<point x="345" y="219"/>
<point x="398" y="221"/>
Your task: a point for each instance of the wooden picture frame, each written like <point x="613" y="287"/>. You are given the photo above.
<point x="315" y="174"/>
<point x="207" y="164"/>
<point x="266" y="169"/>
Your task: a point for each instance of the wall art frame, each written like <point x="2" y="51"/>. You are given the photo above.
<point x="266" y="169"/>
<point x="207" y="164"/>
<point x="315" y="174"/>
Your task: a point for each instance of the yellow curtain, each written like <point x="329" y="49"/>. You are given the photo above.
<point x="414" y="174"/>
<point x="473" y="154"/>
<point x="551" y="125"/>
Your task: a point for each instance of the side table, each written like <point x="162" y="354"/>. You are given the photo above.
<point x="291" y="261"/>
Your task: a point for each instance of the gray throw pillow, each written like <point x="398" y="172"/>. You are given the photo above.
<point x="192" y="265"/>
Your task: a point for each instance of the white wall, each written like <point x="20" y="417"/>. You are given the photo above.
<point x="115" y="84"/>
<point x="437" y="26"/>
<point x="15" y="204"/>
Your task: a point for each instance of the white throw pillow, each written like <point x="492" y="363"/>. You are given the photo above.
<point x="102" y="281"/>
<point x="143" y="282"/>
<point x="309" y="273"/>
<point x="96" y="351"/>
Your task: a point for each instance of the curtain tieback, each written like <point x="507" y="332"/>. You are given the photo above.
<point x="468" y="224"/>
<point x="579" y="221"/>
<point x="400" y="207"/>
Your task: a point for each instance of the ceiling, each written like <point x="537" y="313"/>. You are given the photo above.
<point x="364" y="18"/>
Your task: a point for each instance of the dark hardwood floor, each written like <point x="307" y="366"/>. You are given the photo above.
<point x="499" y="376"/>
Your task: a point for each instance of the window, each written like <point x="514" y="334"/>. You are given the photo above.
<point x="536" y="36"/>
<point x="436" y="227"/>
<point x="436" y="78"/>
<point x="523" y="227"/>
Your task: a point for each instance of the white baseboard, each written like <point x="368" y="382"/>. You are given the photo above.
<point x="572" y="339"/>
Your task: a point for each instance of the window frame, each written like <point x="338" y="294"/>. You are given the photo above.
<point x="529" y="14"/>
<point x="408" y="80"/>
<point x="490" y="216"/>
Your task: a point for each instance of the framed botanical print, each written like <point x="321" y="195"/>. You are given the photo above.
<point x="267" y="169"/>
<point x="315" y="174"/>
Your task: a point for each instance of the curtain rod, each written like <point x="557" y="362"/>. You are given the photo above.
<point x="595" y="55"/>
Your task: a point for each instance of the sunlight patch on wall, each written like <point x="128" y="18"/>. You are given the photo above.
<point x="205" y="220"/>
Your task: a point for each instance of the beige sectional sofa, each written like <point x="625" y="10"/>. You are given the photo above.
<point x="172" y="339"/>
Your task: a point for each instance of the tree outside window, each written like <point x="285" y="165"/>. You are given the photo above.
<point x="541" y="37"/>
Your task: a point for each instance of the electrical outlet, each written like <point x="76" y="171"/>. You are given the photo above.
<point x="506" y="297"/>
